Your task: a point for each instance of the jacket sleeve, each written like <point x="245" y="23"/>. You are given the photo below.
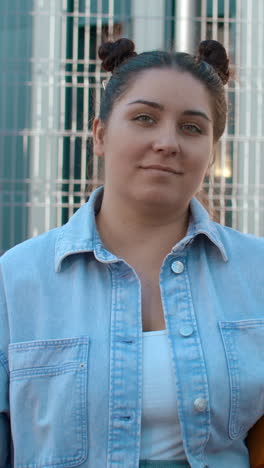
<point x="5" y="431"/>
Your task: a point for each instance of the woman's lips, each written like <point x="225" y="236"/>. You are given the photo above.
<point x="160" y="167"/>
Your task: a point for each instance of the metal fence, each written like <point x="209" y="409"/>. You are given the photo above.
<point x="51" y="84"/>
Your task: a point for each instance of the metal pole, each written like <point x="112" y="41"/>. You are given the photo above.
<point x="185" y="25"/>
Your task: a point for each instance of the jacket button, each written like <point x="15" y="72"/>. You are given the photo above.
<point x="177" y="267"/>
<point x="186" y="330"/>
<point x="200" y="404"/>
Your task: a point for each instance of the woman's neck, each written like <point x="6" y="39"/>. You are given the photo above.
<point x="135" y="231"/>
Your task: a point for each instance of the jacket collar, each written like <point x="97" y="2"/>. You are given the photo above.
<point x="80" y="235"/>
<point x="200" y="223"/>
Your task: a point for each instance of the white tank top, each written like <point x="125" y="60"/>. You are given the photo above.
<point x="160" y="429"/>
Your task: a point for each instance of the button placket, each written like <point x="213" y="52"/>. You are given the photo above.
<point x="188" y="360"/>
<point x="126" y="356"/>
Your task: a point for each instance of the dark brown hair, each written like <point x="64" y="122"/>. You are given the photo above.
<point x="210" y="66"/>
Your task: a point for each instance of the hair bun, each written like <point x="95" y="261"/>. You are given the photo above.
<point x="113" y="54"/>
<point x="215" y="54"/>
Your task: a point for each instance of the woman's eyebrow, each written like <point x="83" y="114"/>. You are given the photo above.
<point x="196" y="112"/>
<point x="156" y="105"/>
<point x="153" y="104"/>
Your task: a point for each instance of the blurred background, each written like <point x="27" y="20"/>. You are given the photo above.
<point x="50" y="89"/>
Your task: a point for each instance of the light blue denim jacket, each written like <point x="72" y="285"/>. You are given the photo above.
<point x="71" y="346"/>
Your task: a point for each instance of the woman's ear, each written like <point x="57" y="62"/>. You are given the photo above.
<point x="98" y="137"/>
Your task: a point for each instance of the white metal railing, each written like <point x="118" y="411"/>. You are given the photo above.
<point x="45" y="137"/>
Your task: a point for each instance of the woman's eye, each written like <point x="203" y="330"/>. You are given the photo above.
<point x="144" y="118"/>
<point x="191" y="128"/>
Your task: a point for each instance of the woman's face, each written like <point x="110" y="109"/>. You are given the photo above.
<point x="158" y="141"/>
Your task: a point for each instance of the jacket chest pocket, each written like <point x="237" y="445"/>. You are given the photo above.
<point x="48" y="402"/>
<point x="244" y="348"/>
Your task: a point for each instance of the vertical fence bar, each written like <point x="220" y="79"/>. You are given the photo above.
<point x="215" y="19"/>
<point x="259" y="145"/>
<point x="14" y="137"/>
<point x="74" y="104"/>
<point x="235" y="181"/>
<point x="50" y="120"/>
<point x="36" y="123"/>
<point x="248" y="88"/>
<point x="86" y="102"/>
<point x="226" y="23"/>
<point x="111" y="20"/>
<point x="62" y="111"/>
<point x="242" y="149"/>
<point x="203" y="20"/>
<point x="4" y="189"/>
<point x="98" y="85"/>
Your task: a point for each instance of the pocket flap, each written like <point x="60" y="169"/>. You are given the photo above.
<point x="30" y="354"/>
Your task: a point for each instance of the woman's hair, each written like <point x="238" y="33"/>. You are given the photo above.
<point x="210" y="67"/>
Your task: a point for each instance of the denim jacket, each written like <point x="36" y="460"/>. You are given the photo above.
<point x="71" y="346"/>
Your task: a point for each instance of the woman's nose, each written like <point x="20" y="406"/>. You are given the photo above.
<point x="167" y="142"/>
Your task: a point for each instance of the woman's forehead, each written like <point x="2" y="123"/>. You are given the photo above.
<point x="168" y="87"/>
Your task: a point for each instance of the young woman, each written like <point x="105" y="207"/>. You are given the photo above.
<point x="133" y="335"/>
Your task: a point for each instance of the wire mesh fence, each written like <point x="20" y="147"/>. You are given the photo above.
<point x="51" y="85"/>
